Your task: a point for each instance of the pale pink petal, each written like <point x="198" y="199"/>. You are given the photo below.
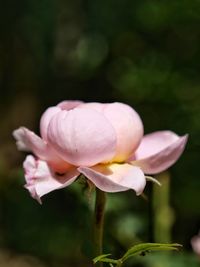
<point x="94" y="105"/>
<point x="69" y="104"/>
<point x="50" y="112"/>
<point x="128" y="127"/>
<point x="158" y="151"/>
<point x="115" y="177"/>
<point x="27" y="140"/>
<point x="82" y="137"/>
<point x="21" y="140"/>
<point x="127" y="124"/>
<point x="45" y="119"/>
<point x="40" y="179"/>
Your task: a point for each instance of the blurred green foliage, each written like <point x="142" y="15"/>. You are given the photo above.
<point x="144" y="53"/>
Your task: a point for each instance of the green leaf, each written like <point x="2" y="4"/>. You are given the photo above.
<point x="142" y="249"/>
<point x="100" y="257"/>
<point x="103" y="258"/>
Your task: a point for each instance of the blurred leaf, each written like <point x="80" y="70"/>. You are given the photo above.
<point x="142" y="249"/>
<point x="101" y="257"/>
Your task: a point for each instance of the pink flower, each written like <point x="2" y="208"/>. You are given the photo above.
<point x="195" y="242"/>
<point x="104" y="142"/>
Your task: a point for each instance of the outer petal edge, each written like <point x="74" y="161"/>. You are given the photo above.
<point x="163" y="159"/>
<point x="40" y="179"/>
<point x="27" y="140"/>
<point x="115" y="177"/>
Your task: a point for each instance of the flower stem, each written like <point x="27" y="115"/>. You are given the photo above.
<point x="100" y="203"/>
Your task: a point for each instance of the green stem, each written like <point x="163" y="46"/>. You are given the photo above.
<point x="119" y="264"/>
<point x="99" y="222"/>
<point x="163" y="213"/>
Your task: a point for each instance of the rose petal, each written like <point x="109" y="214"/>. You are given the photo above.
<point x="115" y="177"/>
<point x="45" y="119"/>
<point x="158" y="151"/>
<point x="127" y="124"/>
<point x="82" y="137"/>
<point x="94" y="105"/>
<point x="27" y="140"/>
<point x="20" y="137"/>
<point x="128" y="127"/>
<point x="40" y="179"/>
<point x="69" y="104"/>
<point x="50" y="112"/>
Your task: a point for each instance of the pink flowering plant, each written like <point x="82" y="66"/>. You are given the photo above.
<point x="106" y="144"/>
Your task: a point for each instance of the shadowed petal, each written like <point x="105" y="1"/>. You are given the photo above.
<point x="21" y="140"/>
<point x="115" y="177"/>
<point x="27" y="140"/>
<point x="158" y="151"/>
<point x="40" y="179"/>
<point x="82" y="137"/>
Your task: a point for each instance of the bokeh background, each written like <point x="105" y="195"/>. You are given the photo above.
<point x="144" y="53"/>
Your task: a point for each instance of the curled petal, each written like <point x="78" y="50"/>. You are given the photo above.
<point x="45" y="119"/>
<point x="158" y="151"/>
<point x="69" y="104"/>
<point x="27" y="140"/>
<point x="40" y="179"/>
<point x="115" y="177"/>
<point x="21" y="140"/>
<point x="82" y="137"/>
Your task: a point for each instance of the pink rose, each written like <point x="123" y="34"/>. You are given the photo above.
<point x="104" y="142"/>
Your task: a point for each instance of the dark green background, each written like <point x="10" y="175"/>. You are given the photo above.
<point x="144" y="53"/>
